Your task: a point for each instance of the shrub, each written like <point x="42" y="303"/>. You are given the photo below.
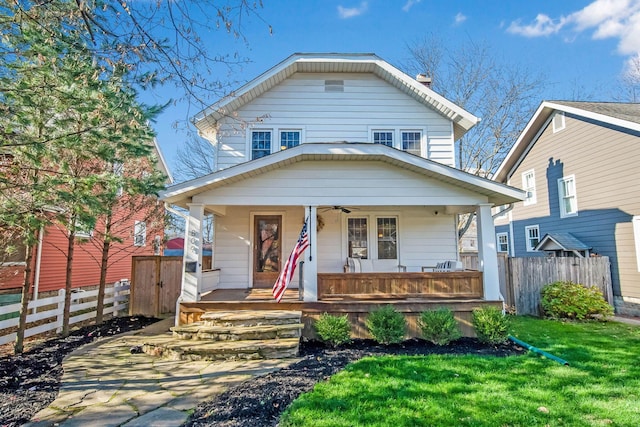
<point x="439" y="326"/>
<point x="491" y="325"/>
<point x="386" y="325"/>
<point x="568" y="300"/>
<point x="335" y="330"/>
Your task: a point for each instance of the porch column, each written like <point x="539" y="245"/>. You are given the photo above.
<point x="192" y="260"/>
<point x="310" y="275"/>
<point x="487" y="252"/>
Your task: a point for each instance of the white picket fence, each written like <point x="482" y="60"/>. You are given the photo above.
<point x="116" y="298"/>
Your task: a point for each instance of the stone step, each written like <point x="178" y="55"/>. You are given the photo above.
<point x="223" y="350"/>
<point x="250" y="317"/>
<point x="200" y="331"/>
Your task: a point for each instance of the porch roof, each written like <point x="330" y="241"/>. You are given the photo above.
<point x="337" y="63"/>
<point x="496" y="193"/>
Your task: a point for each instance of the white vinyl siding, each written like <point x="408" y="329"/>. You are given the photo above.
<point x="367" y="103"/>
<point x="567" y="196"/>
<point x="529" y="185"/>
<point x="532" y="237"/>
<point x="140" y="233"/>
<point x="502" y="240"/>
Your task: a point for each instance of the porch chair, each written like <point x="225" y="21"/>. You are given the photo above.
<point x="450" y="265"/>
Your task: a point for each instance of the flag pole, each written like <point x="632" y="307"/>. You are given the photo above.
<point x="310" y="243"/>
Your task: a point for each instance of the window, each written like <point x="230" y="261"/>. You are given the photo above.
<point x="532" y="236"/>
<point x="558" y="121"/>
<point x="387" y="238"/>
<point x="503" y="242"/>
<point x="139" y="233"/>
<point x="260" y="144"/>
<point x="529" y="185"/>
<point x="384" y="137"/>
<point x="636" y="237"/>
<point x="289" y="139"/>
<point x="567" y="196"/>
<point x="411" y="142"/>
<point x="357" y="237"/>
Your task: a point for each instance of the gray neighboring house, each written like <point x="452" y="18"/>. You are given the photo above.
<point x="579" y="163"/>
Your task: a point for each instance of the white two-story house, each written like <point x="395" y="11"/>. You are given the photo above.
<point x="355" y="145"/>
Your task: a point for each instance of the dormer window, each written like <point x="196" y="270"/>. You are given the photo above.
<point x="289" y="139"/>
<point x="384" y="137"/>
<point x="412" y="141"/>
<point x="260" y="143"/>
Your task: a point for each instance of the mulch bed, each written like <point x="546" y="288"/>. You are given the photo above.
<point x="30" y="382"/>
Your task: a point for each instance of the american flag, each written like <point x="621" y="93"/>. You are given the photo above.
<point x="290" y="266"/>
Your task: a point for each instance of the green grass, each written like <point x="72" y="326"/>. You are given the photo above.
<point x="600" y="388"/>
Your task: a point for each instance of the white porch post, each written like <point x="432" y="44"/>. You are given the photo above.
<point x="192" y="261"/>
<point x="487" y="252"/>
<point x="310" y="275"/>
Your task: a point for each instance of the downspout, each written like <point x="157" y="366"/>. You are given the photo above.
<point x="36" y="278"/>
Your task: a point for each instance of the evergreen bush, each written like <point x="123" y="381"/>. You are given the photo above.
<point x="386" y="325"/>
<point x="491" y="325"/>
<point x="334" y="330"/>
<point x="439" y="326"/>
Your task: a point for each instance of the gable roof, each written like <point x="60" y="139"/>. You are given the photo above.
<point x="337" y="63"/>
<point x="495" y="192"/>
<point x="623" y="115"/>
<point x="561" y="241"/>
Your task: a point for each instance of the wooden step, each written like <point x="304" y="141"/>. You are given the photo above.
<point x="250" y="317"/>
<point x="223" y="350"/>
<point x="200" y="331"/>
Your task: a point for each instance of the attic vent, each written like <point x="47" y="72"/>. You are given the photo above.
<point x="558" y="121"/>
<point x="334" y="85"/>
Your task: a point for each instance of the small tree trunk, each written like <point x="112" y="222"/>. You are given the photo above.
<point x="24" y="303"/>
<point x="67" y="284"/>
<point x="103" y="269"/>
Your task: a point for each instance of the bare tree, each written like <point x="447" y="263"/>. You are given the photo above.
<point x="503" y="94"/>
<point x="629" y="83"/>
<point x="194" y="159"/>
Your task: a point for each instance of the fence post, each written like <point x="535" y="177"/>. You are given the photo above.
<point x="60" y="310"/>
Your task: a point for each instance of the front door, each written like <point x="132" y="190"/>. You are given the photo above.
<point x="267" y="250"/>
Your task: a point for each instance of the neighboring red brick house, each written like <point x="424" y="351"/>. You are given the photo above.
<point x="139" y="235"/>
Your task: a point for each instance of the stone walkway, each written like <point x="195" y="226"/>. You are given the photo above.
<point x="104" y="384"/>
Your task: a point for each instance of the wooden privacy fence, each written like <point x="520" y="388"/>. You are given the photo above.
<point x="46" y="313"/>
<point x="522" y="279"/>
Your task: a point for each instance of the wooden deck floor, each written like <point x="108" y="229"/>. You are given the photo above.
<point x="247" y="295"/>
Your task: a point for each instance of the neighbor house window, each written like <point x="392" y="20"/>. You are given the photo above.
<point x="387" y="238"/>
<point x="357" y="237"/>
<point x="529" y="186"/>
<point x="289" y="139"/>
<point x="558" y="121"/>
<point x="532" y="236"/>
<point x="83" y="231"/>
<point x="260" y="144"/>
<point x="567" y="196"/>
<point x="384" y="137"/>
<point x="139" y="233"/>
<point x="503" y="242"/>
<point x="411" y="142"/>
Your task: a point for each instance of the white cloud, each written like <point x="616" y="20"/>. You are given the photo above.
<point x="459" y="18"/>
<point x="619" y="19"/>
<point x="409" y="4"/>
<point x="350" y="12"/>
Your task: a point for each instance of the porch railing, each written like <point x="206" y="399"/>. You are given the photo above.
<point x="457" y="284"/>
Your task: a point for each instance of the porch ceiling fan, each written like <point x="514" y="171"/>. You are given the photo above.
<point x="337" y="208"/>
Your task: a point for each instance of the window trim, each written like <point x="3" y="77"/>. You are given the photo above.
<point x="139" y="233"/>
<point x="527" y="240"/>
<point x="498" y="247"/>
<point x="283" y="130"/>
<point x="422" y="140"/>
<point x="372" y="233"/>
<point x="562" y="196"/>
<point x="557" y="127"/>
<point x="250" y="144"/>
<point x="381" y="130"/>
<point x="533" y="199"/>
<point x="635" y="221"/>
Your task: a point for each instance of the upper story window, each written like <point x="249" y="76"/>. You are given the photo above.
<point x="558" y="121"/>
<point x="411" y="142"/>
<point x="532" y="237"/>
<point x="387" y="238"/>
<point x="384" y="137"/>
<point x="289" y="139"/>
<point x="529" y="185"/>
<point x="260" y="143"/>
<point x="140" y="233"/>
<point x="503" y="242"/>
<point x="567" y="196"/>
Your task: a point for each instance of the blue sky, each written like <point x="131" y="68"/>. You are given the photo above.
<point x="580" y="46"/>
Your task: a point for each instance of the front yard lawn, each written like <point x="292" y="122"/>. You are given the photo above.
<point x="601" y="387"/>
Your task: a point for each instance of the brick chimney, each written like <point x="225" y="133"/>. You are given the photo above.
<point x="422" y="78"/>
